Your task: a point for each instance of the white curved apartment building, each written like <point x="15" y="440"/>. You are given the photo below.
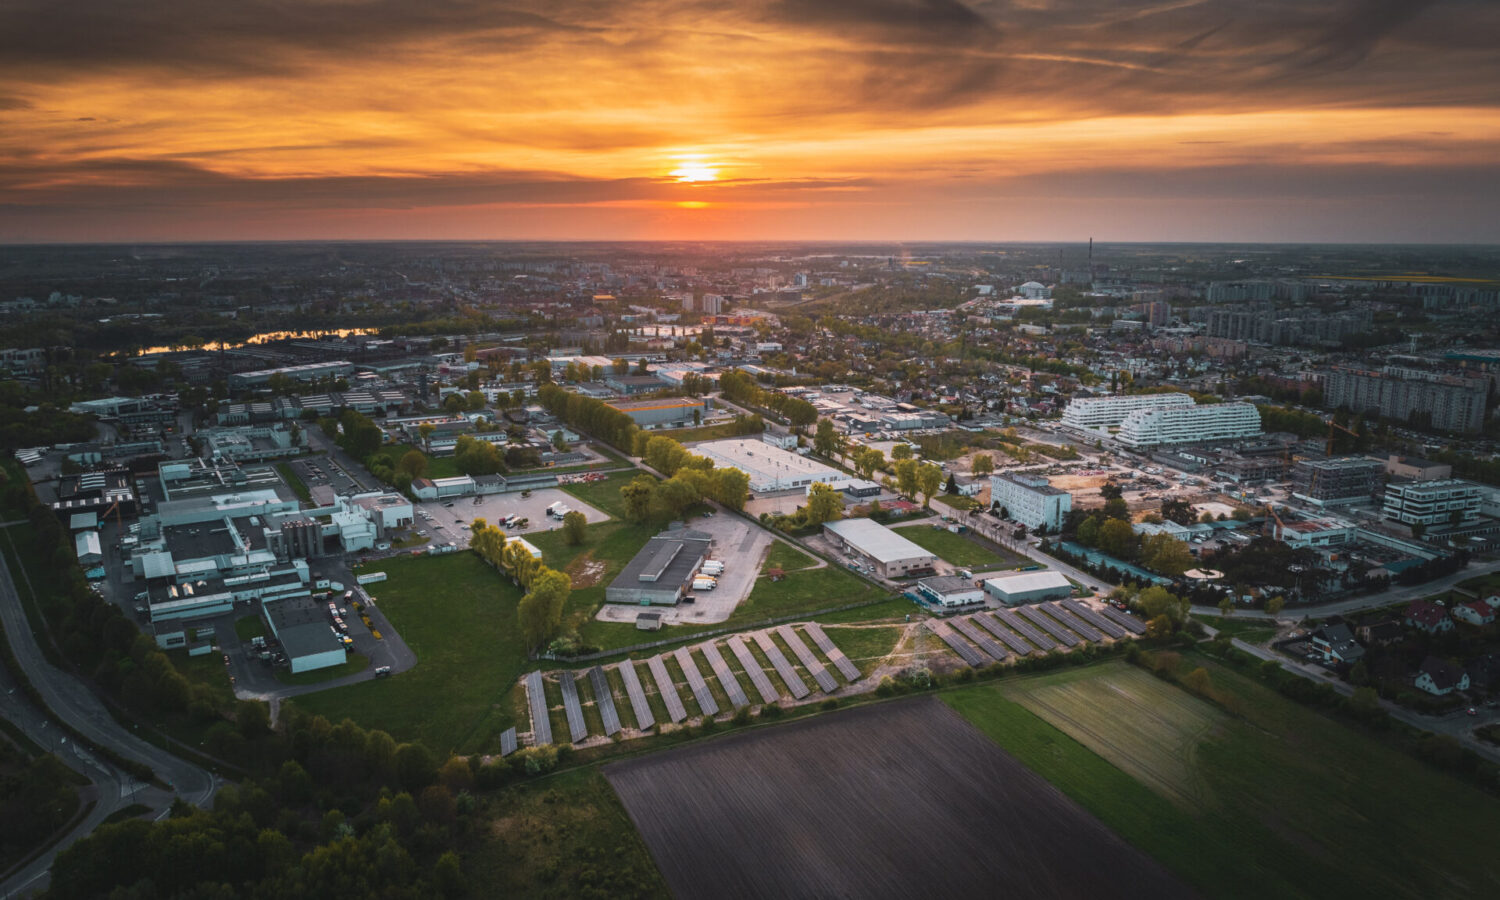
<point x="1146" y="428"/>
<point x="1095" y="413"/>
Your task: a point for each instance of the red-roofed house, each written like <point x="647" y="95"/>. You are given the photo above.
<point x="1475" y="612"/>
<point x="1427" y="616"/>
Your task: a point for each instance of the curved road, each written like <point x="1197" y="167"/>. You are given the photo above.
<point x="71" y="701"/>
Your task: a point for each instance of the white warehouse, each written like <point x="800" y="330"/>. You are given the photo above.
<point x="1094" y="413"/>
<point x="770" y="468"/>
<point x="1030" y="500"/>
<point x="1147" y="428"/>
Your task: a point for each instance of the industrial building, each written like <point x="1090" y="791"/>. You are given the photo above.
<point x="1416" y="396"/>
<point x="1028" y="587"/>
<point x="306" y="636"/>
<point x="1315" y="533"/>
<point x="1339" y="481"/>
<point x="1147" y="428"/>
<point x="310" y="372"/>
<point x="1030" y="500"/>
<point x="890" y="554"/>
<point x="667" y="412"/>
<point x="770" y="468"/>
<point x="1432" y="502"/>
<point x="950" y="592"/>
<point x="659" y="575"/>
<point x="1094" y="413"/>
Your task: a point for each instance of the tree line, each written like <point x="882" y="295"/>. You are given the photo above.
<point x="738" y="387"/>
<point x="539" y="614"/>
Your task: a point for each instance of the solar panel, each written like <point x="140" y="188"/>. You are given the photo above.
<point x="752" y="668"/>
<point x="1091" y="616"/>
<point x="836" y="656"/>
<point x="541" y="726"/>
<point x="1023" y="628"/>
<point x="1078" y="625"/>
<point x="604" y="698"/>
<point x="508" y="741"/>
<point x="1131" y="623"/>
<point x="722" y="672"/>
<point x="986" y="643"/>
<point x="1049" y="625"/>
<point x="667" y="689"/>
<point x="1009" y="638"/>
<point x="963" y="648"/>
<point x="811" y="663"/>
<point x="701" y="693"/>
<point x="783" y="668"/>
<point x="576" y="726"/>
<point x="639" y="705"/>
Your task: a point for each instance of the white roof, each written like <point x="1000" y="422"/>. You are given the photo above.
<point x="877" y="541"/>
<point x="1028" y="581"/>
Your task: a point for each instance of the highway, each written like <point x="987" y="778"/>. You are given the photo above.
<point x="71" y="701"/>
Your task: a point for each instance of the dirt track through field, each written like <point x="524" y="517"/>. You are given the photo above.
<point x="897" y="800"/>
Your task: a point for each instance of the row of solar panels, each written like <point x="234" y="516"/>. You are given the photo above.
<point x="986" y="637"/>
<point x="698" y="685"/>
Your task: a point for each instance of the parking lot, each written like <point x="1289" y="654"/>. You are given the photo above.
<point x="316" y="471"/>
<point x="741" y="546"/>
<point x="448" y="520"/>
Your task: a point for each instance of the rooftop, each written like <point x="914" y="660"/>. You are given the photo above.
<point x="876" y="541"/>
<point x="1029" y="581"/>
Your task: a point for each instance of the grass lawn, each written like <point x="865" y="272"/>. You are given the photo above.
<point x="957" y="549"/>
<point x="593" y="565"/>
<point x="459" y="616"/>
<point x="1254" y="631"/>
<point x="803" y="591"/>
<point x="1292" y="803"/>
<point x="295" y="482"/>
<point x="865" y="646"/>
<point x="786" y="557"/>
<point x="437" y="466"/>
<point x="247" y="627"/>
<point x="701" y="433"/>
<point x="355" y="664"/>
<point x="604" y="495"/>
<point x="956" y="501"/>
<point x="563" y="836"/>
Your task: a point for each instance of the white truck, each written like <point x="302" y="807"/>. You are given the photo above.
<point x="558" y="510"/>
<point x="713" y="567"/>
<point x="704" y="584"/>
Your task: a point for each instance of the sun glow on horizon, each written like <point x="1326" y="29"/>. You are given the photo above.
<point x="693" y="169"/>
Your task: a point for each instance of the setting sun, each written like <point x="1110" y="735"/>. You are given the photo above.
<point x="693" y="170"/>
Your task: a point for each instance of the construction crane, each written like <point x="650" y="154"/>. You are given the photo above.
<point x="1275" y="534"/>
<point x="1328" y="450"/>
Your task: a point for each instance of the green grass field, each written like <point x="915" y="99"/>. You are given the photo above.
<point x="957" y="549"/>
<point x="294" y="481"/>
<point x="459" y="616"/>
<point x="866" y="647"/>
<point x="563" y="836"/>
<point x="604" y="495"/>
<point x="1294" y="804"/>
<point x="1255" y="631"/>
<point x="803" y="591"/>
<point x="248" y="627"/>
<point x="786" y="557"/>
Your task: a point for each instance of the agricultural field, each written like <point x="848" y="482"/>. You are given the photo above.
<point x="959" y="549"/>
<point x="931" y="808"/>
<point x="459" y="616"/>
<point x="1291" y="803"/>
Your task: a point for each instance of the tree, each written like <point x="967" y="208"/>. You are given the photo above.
<point x="1158" y="601"/>
<point x="559" y="441"/>
<point x="952" y="486"/>
<point x="677" y="494"/>
<point x="824" y="504"/>
<point x="540" y="611"/>
<point x="1178" y="510"/>
<point x="1115" y="508"/>
<point x="637" y="496"/>
<point x="1226" y="606"/>
<point x="425" y="430"/>
<point x="1116" y="538"/>
<point x="413" y="463"/>
<point x="826" y="441"/>
<point x="1274" y="605"/>
<point x="984" y="464"/>
<point x="574" y="527"/>
<point x="867" y="461"/>
<point x="731" y="488"/>
<point x="1167" y="555"/>
<point x="901" y="451"/>
<point x="906" y="477"/>
<point x="1111" y="491"/>
<point x="929" y="481"/>
<point x="1088" y="532"/>
<point x="1198" y="681"/>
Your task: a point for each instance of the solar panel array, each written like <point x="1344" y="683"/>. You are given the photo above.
<point x="1022" y="627"/>
<point x="1129" y="622"/>
<point x="572" y="707"/>
<point x="1092" y="616"/>
<point x="809" y="660"/>
<point x="722" y="672"/>
<point x="783" y="668"/>
<point x="541" y="726"/>
<point x="699" y="687"/>
<point x="1010" y="638"/>
<point x="604" y="698"/>
<point x="667" y="689"/>
<point x="644" y="718"/>
<point x="508" y="741"/>
<point x="986" y="643"/>
<point x="830" y="650"/>
<point x="1061" y="614"/>
<point x="1049" y="625"/>
<point x="752" y="668"/>
<point x="963" y="648"/>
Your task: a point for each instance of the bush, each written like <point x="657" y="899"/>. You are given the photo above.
<point x="741" y="716"/>
<point x="886" y="688"/>
<point x="829" y="705"/>
<point x="770" y="711"/>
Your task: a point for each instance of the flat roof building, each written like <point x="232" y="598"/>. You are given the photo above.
<point x="1094" y="413"/>
<point x="770" y="468"/>
<point x="1147" y="428"/>
<point x="667" y="412"/>
<point x="306" y="372"/>
<point x="660" y="573"/>
<point x="1028" y="587"/>
<point x="1335" y="482"/>
<point x="1432" y="502"/>
<point x="306" y="635"/>
<point x="1030" y="500"/>
<point x="891" y="555"/>
<point x="950" y="591"/>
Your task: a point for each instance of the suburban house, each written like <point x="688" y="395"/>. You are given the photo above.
<point x="1378" y="634"/>
<point x="1428" y="617"/>
<point x="1337" y="644"/>
<point x="1475" y="612"/>
<point x="1439" y="677"/>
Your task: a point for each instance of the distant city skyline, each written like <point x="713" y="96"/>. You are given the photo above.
<point x="837" y="120"/>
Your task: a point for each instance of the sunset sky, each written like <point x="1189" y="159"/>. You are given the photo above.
<point x="153" y="120"/>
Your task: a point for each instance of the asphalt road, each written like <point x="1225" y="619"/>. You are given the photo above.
<point x="71" y="701"/>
